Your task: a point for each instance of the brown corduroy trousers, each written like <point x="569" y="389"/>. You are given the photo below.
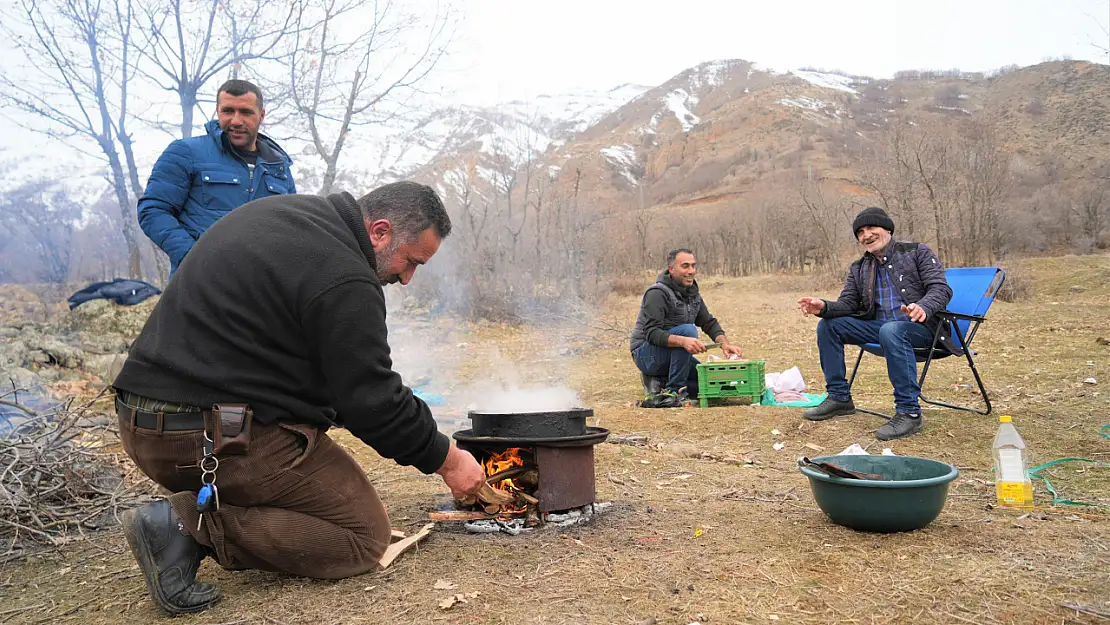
<point x="297" y="503"/>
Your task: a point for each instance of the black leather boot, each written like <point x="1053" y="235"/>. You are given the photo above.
<point x="169" y="558"/>
<point x="830" y="408"/>
<point x="900" y="426"/>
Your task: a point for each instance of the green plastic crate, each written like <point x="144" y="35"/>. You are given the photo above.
<point x="730" y="378"/>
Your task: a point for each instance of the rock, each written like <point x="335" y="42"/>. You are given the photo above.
<point x="19" y="377"/>
<point x="13" y="354"/>
<point x="102" y="344"/>
<point x="49" y="374"/>
<point x="102" y="317"/>
<point x="1090" y="381"/>
<point x="61" y="354"/>
<point x="106" y="367"/>
<point x="1102" y="340"/>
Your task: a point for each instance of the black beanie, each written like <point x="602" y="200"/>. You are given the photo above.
<point x="873" y="216"/>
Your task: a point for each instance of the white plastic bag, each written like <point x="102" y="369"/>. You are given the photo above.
<point x="789" y="380"/>
<point x="854" y="450"/>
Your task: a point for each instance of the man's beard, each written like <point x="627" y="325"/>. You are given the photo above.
<point x="382" y="260"/>
<point x="251" y="138"/>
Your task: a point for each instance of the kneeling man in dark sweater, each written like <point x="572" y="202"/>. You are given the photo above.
<point x="272" y="331"/>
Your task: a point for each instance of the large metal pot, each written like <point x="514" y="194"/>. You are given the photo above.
<point x="531" y="425"/>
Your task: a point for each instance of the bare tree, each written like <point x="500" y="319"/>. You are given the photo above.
<point x="898" y="187"/>
<point x="1091" y="203"/>
<point x="642" y="222"/>
<point x="825" y="215"/>
<point x="982" y="179"/>
<point x="1101" y="16"/>
<point x="193" y="41"/>
<point x="343" y="76"/>
<point x="71" y="78"/>
<point x="50" y="218"/>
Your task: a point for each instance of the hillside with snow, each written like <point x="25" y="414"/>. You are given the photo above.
<point x="715" y="133"/>
<point x="706" y="137"/>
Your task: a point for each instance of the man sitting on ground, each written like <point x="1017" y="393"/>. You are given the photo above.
<point x="665" y="338"/>
<point x="891" y="297"/>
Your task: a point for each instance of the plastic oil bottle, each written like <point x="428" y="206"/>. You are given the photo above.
<point x="1012" y="484"/>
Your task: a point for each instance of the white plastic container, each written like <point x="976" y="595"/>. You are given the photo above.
<point x="1012" y="485"/>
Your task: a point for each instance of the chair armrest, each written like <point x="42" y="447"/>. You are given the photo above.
<point x="954" y="315"/>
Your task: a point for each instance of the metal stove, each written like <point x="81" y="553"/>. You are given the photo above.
<point x="561" y="443"/>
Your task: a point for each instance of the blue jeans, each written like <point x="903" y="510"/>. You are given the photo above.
<point x="897" y="338"/>
<point x="678" y="365"/>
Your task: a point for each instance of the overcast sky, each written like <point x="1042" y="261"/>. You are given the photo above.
<point x="519" y="49"/>
<point x="513" y="49"/>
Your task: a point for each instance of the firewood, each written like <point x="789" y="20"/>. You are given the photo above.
<point x="401" y="546"/>
<point x="528" y="479"/>
<point x="458" y="515"/>
<point x="490" y="494"/>
<point x="396" y="533"/>
<point x="526" y="497"/>
<point x="507" y="474"/>
<point x="492" y="508"/>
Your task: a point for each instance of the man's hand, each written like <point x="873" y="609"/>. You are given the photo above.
<point x="462" y="473"/>
<point x="811" y="305"/>
<point x="729" y="350"/>
<point x="693" y="345"/>
<point x="914" y="312"/>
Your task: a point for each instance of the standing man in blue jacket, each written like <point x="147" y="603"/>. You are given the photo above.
<point x="891" y="297"/>
<point x="198" y="180"/>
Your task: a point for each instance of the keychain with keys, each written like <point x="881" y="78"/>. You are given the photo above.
<point x="208" y="497"/>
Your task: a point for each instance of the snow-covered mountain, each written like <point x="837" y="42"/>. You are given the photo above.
<point x="372" y="155"/>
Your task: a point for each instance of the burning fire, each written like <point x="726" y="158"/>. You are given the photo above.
<point x="498" y="462"/>
<point x="502" y="461"/>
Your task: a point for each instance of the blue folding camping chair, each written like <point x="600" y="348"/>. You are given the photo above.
<point x="973" y="292"/>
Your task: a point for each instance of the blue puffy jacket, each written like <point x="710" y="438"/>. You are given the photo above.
<point x="200" y="179"/>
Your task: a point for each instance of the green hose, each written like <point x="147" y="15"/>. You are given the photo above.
<point x="1035" y="473"/>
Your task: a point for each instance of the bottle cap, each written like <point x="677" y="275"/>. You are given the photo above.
<point x="1005" y="418"/>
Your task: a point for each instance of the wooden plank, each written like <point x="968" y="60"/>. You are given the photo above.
<point x="459" y="515"/>
<point x="401" y="546"/>
<point x="396" y="533"/>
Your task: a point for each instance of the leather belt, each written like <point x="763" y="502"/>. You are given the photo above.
<point x="160" y="421"/>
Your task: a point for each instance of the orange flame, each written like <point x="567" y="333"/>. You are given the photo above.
<point x="500" y="461"/>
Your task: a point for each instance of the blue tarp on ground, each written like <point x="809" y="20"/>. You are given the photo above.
<point x="432" y="399"/>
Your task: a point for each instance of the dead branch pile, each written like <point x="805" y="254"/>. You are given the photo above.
<point x="57" y="478"/>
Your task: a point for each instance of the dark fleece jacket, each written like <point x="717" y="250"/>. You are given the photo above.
<point x="666" y="305"/>
<point x="279" y="306"/>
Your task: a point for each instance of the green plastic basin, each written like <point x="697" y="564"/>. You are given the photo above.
<point x="910" y="498"/>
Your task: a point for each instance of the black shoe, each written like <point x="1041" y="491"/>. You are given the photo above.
<point x="652" y="384"/>
<point x="683" y="399"/>
<point x="665" y="398"/>
<point x="900" y="426"/>
<point x="169" y="558"/>
<point x="830" y="408"/>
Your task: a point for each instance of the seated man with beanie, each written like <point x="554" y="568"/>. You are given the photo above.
<point x="665" y="338"/>
<point x="891" y="298"/>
